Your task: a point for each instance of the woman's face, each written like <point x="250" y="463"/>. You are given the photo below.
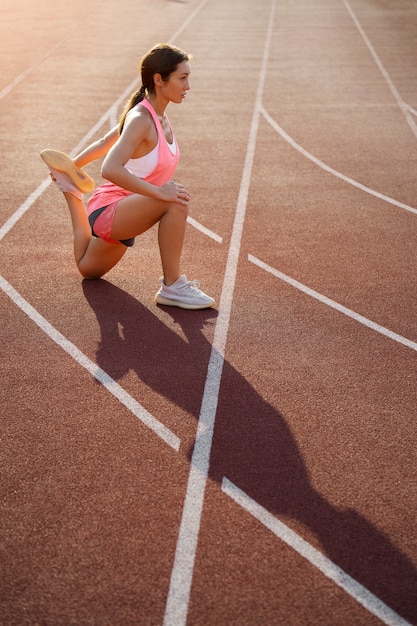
<point x="177" y="84"/>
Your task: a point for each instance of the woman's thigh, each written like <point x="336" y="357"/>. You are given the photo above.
<point x="135" y="214"/>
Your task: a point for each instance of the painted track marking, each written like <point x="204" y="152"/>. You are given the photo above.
<point x="182" y="572"/>
<point x="403" y="107"/>
<point x="335" y="305"/>
<point x="111" y="385"/>
<point x="8" y="88"/>
<point x="329" y="169"/>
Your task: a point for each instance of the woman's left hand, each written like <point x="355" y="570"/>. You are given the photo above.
<point x="174" y="192"/>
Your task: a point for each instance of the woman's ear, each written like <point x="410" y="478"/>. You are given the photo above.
<point x="157" y="80"/>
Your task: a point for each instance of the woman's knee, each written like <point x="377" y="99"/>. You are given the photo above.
<point x="89" y="270"/>
<point x="180" y="211"/>
<point x="100" y="258"/>
<point x="89" y="274"/>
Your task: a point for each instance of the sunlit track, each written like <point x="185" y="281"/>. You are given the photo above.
<point x="16" y="81"/>
<point x="177" y="512"/>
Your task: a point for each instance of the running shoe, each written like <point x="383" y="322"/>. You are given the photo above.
<point x="184" y="294"/>
<point x="67" y="175"/>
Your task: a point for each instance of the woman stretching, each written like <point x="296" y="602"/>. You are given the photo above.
<point x="141" y="155"/>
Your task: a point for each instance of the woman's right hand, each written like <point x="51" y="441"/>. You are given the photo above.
<point x="174" y="192"/>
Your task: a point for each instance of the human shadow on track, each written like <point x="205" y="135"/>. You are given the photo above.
<point x="132" y="338"/>
<point x="252" y="446"/>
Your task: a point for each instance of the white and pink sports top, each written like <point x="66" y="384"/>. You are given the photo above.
<point x="157" y="167"/>
<point x="145" y="165"/>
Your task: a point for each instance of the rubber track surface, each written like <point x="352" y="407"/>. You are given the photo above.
<point x="249" y="465"/>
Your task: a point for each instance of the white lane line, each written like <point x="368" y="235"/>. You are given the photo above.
<point x="187" y="22"/>
<point x="6" y="90"/>
<point x="335" y="305"/>
<point x="25" y="206"/>
<point x="383" y="71"/>
<point x="204" y="230"/>
<point x="111" y="385"/>
<point x="182" y="572"/>
<point x="357" y="591"/>
<point x="30" y="200"/>
<point x="329" y="169"/>
<point x="409" y="108"/>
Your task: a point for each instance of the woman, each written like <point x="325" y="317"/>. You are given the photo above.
<point x="141" y="155"/>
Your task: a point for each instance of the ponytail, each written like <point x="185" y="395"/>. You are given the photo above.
<point x="134" y="99"/>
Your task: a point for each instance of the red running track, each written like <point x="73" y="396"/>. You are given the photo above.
<point x="253" y="464"/>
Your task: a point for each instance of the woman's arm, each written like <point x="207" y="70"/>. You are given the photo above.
<point x="136" y="132"/>
<point x="98" y="148"/>
<point x="137" y="139"/>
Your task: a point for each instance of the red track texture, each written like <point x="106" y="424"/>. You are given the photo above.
<point x="254" y="464"/>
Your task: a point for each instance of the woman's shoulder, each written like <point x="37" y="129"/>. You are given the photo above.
<point x="139" y="117"/>
<point x="138" y="127"/>
<point x="139" y="123"/>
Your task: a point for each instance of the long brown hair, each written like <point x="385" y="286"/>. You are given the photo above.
<point x="162" y="59"/>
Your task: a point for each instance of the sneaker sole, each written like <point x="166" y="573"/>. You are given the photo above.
<point x="63" y="163"/>
<point x="183" y="305"/>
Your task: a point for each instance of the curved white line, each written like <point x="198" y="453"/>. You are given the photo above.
<point x="329" y="169"/>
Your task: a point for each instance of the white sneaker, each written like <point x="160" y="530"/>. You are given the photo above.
<point x="183" y="293"/>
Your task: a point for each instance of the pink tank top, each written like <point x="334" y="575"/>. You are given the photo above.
<point x="108" y="192"/>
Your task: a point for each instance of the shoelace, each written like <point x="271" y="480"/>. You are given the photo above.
<point x="191" y="287"/>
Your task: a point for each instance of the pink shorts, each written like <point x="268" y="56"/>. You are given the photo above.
<point x="101" y="222"/>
